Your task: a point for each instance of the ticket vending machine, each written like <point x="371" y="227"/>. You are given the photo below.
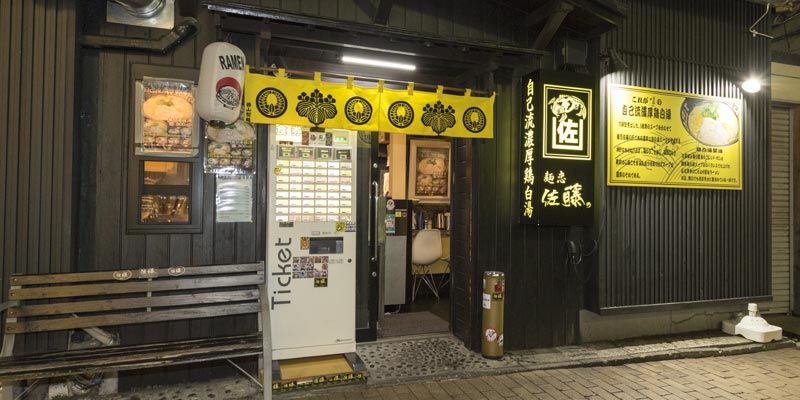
<point x="311" y="241"/>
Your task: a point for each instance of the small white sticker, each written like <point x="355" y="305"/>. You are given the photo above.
<point x="500" y="341"/>
<point x="487" y="301"/>
<point x="123" y="275"/>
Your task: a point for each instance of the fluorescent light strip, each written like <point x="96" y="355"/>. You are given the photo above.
<point x="378" y="63"/>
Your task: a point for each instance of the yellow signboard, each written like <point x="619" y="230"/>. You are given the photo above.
<point x="280" y="100"/>
<point x="661" y="138"/>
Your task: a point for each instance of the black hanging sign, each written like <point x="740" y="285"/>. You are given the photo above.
<point x="557" y="149"/>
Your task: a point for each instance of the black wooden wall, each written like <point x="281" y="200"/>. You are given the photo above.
<point x="662" y="246"/>
<point x="103" y="243"/>
<point x="37" y="130"/>
<point x="543" y="294"/>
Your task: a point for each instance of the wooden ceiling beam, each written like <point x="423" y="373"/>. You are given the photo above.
<point x="366" y="6"/>
<point x="381" y="15"/>
<point x="554" y="21"/>
<point x="544" y="12"/>
<point x="609" y="11"/>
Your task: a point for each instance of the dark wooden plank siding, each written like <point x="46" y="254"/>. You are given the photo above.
<point x="37" y="120"/>
<point x="104" y="242"/>
<point x="695" y="245"/>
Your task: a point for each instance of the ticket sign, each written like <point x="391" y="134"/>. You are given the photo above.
<point x="660" y="138"/>
<point x="557" y="145"/>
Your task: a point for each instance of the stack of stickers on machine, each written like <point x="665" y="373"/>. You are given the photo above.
<point x="312" y="267"/>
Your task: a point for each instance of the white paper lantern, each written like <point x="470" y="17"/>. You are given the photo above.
<point x="219" y="92"/>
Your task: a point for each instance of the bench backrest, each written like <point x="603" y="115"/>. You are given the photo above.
<point x="94" y="299"/>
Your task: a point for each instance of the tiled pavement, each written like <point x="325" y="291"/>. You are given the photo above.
<point x="765" y="375"/>
<point x="700" y="365"/>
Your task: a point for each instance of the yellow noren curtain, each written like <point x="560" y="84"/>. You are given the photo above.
<point x="280" y="100"/>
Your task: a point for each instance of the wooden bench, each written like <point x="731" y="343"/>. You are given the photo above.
<point x="92" y="300"/>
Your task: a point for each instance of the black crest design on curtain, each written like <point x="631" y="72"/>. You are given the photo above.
<point x="438" y="117"/>
<point x="358" y="110"/>
<point x="401" y="114"/>
<point x="316" y="107"/>
<point x="271" y="102"/>
<point x="474" y="119"/>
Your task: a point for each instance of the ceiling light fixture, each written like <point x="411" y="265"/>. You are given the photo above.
<point x="378" y="63"/>
<point x="751" y="85"/>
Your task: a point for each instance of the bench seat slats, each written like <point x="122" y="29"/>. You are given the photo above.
<point x="61" y="302"/>
<point x="101" y="289"/>
<point x="77" y="277"/>
<point x="131" y="318"/>
<point x="129" y="357"/>
<point x="95" y="352"/>
<point x="79" y="307"/>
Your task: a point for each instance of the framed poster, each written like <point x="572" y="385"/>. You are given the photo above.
<point x="429" y="171"/>
<point x="166" y="124"/>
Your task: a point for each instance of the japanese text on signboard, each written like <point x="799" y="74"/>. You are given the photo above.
<point x="557" y="168"/>
<point x="668" y="139"/>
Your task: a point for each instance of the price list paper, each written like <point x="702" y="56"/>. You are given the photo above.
<point x="234" y="198"/>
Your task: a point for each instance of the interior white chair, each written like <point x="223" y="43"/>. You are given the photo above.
<point x="426" y="249"/>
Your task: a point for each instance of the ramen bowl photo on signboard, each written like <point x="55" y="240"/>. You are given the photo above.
<point x="429" y="171"/>
<point x="712" y="123"/>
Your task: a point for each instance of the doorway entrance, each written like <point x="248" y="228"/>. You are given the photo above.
<point x="415" y="220"/>
<point x="403" y="284"/>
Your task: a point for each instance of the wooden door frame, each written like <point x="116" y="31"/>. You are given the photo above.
<point x="462" y="248"/>
<point x="794" y="210"/>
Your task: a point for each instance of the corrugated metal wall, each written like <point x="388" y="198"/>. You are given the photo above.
<point x="680" y="245"/>
<point x="780" y="147"/>
<point x="37" y="118"/>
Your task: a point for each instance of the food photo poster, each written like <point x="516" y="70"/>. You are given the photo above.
<point x="429" y="171"/>
<point x="230" y="149"/>
<point x="166" y="124"/>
